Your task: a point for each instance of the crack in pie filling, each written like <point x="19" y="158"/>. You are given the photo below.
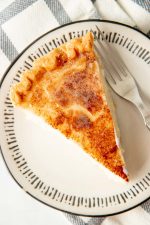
<point x="66" y="88"/>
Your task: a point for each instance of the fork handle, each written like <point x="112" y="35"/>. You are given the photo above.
<point x="144" y="111"/>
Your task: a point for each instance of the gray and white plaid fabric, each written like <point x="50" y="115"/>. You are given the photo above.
<point x="22" y="21"/>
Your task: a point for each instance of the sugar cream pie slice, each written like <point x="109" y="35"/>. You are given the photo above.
<point x="67" y="89"/>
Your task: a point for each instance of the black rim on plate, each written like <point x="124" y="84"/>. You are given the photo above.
<point x="2" y="80"/>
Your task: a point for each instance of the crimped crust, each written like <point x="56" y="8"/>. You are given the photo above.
<point x="54" y="60"/>
<point x="65" y="88"/>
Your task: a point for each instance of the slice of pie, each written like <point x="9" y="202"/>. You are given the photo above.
<point x="67" y="89"/>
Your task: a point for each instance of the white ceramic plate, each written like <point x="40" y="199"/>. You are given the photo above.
<point x="55" y="170"/>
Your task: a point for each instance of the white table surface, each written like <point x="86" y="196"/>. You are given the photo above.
<point x="18" y="208"/>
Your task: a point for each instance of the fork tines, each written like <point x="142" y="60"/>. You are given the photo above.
<point x="110" y="57"/>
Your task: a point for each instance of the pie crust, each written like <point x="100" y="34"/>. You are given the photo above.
<point x="66" y="89"/>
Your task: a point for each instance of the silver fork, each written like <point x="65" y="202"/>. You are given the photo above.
<point x="119" y="77"/>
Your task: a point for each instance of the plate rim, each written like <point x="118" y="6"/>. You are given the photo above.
<point x="2" y="80"/>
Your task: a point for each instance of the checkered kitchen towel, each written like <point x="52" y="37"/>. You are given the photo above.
<point x="22" y="21"/>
